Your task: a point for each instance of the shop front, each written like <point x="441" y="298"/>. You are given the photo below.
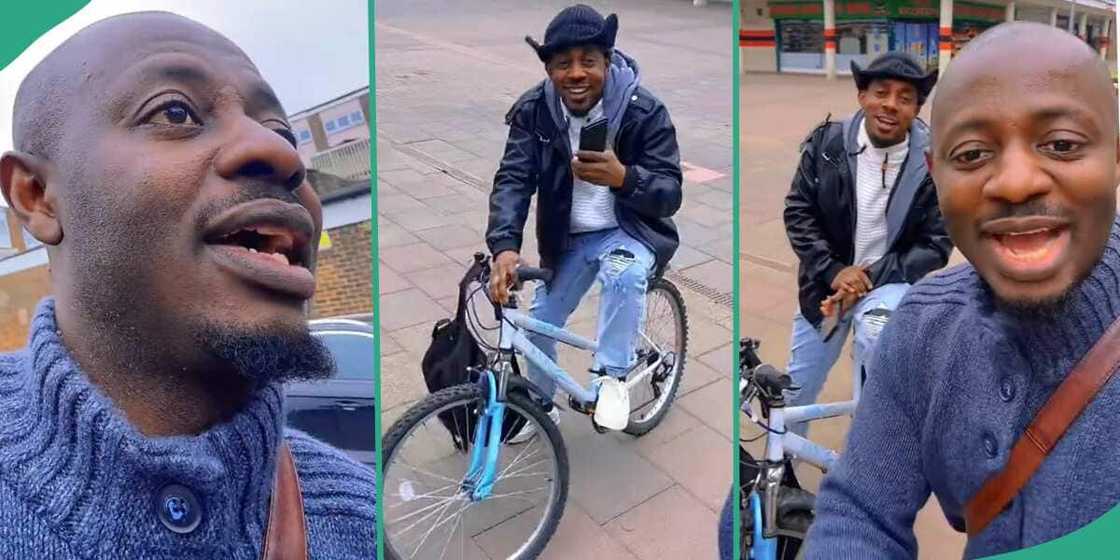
<point x="866" y="29"/>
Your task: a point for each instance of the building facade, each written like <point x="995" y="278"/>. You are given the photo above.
<point x="334" y="136"/>
<point x="825" y="36"/>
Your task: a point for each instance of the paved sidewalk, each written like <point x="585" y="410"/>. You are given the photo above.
<point x="777" y="112"/>
<point x="446" y="75"/>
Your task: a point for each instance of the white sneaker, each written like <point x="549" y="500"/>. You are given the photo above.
<point x="530" y="429"/>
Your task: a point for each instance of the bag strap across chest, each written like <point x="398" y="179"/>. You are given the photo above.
<point x="286" y="536"/>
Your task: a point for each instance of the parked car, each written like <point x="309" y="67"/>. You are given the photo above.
<point x="340" y="410"/>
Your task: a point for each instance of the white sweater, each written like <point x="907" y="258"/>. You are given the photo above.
<point x="592" y="205"/>
<point x="876" y="171"/>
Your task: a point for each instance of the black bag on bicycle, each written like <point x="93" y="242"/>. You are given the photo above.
<point x="450" y="360"/>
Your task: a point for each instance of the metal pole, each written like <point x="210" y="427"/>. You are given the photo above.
<point x="945" y="36"/>
<point x="830" y="39"/>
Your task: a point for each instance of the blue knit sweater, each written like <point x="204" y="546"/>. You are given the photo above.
<point x="78" y="481"/>
<point x="955" y="383"/>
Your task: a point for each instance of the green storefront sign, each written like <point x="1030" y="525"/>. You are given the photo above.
<point x="885" y="9"/>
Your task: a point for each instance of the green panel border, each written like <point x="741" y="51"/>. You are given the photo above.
<point x="375" y="278"/>
<point x="21" y="23"/>
<point x="736" y="289"/>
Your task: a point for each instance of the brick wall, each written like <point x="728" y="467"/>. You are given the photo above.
<point x="19" y="293"/>
<point x="344" y="279"/>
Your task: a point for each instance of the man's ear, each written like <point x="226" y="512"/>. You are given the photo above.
<point x="23" y="181"/>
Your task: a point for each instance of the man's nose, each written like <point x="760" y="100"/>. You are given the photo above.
<point x="258" y="152"/>
<point x="890" y="102"/>
<point x="1018" y="177"/>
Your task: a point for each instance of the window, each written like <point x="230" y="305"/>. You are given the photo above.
<point x="330" y="126"/>
<point x="356" y="117"/>
<point x="304" y="136"/>
<point x="29" y="240"/>
<point x="5" y="233"/>
<point x="343" y="122"/>
<point x="352" y="352"/>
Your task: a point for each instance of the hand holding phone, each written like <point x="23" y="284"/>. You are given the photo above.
<point x="593" y="136"/>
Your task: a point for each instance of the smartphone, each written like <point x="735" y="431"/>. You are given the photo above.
<point x="593" y="136"/>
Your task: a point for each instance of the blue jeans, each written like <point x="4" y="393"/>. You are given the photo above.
<point x="811" y="358"/>
<point x="622" y="265"/>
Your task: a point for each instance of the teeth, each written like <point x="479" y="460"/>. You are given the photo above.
<point x="252" y="250"/>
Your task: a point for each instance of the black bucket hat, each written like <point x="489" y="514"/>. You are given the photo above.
<point x="896" y="66"/>
<point x="576" y="25"/>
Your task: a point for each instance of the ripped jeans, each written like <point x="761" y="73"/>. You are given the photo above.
<point x="811" y="358"/>
<point x="622" y="266"/>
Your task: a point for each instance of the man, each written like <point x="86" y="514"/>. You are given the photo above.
<point x="600" y="215"/>
<point x="862" y="217"/>
<point x="145" y="417"/>
<point x="1026" y="160"/>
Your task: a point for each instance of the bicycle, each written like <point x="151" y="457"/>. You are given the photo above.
<point x="775" y="511"/>
<point x="474" y="484"/>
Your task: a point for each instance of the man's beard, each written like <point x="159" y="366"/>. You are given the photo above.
<point x="263" y="355"/>
<point x="1048" y="308"/>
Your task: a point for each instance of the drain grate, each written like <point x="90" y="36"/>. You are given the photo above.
<point x="716" y="296"/>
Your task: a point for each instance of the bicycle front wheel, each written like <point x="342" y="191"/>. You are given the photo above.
<point x="665" y="330"/>
<point x="428" y="509"/>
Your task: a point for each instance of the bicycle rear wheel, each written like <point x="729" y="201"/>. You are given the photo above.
<point x="665" y="327"/>
<point x="428" y="511"/>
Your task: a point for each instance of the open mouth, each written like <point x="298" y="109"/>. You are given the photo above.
<point x="1028" y="249"/>
<point x="886" y="122"/>
<point x="576" y="92"/>
<point x="272" y="242"/>
<point x="266" y="243"/>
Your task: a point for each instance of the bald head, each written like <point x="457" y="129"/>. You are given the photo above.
<point x="81" y="69"/>
<point x="1036" y="54"/>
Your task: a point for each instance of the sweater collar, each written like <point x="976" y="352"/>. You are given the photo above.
<point x="73" y="455"/>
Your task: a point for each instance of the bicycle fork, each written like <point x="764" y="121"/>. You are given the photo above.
<point x="482" y="473"/>
<point x="764" y="497"/>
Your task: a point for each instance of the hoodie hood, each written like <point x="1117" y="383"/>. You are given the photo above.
<point x="621" y="82"/>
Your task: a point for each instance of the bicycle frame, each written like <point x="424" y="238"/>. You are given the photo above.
<point x="780" y="443"/>
<point x="488" y="437"/>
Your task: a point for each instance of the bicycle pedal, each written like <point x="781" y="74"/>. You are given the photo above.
<point x="578" y="407"/>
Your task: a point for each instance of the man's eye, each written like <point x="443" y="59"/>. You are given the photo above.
<point x="971" y="156"/>
<point x="287" y="134"/>
<point x="1060" y="146"/>
<point x="174" y="113"/>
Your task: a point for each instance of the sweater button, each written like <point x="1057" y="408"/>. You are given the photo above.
<point x="990" y="446"/>
<point x="179" y="509"/>
<point x="1006" y="389"/>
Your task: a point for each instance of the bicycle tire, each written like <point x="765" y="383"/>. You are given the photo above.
<point x="517" y="403"/>
<point x="673" y="295"/>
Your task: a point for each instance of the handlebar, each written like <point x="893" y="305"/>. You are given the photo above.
<point x="530" y="273"/>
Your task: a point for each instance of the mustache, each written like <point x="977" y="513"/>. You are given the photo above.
<point x="249" y="191"/>
<point x="1035" y="207"/>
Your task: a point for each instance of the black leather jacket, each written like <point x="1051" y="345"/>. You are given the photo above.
<point x="537" y="161"/>
<point x="820" y="215"/>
